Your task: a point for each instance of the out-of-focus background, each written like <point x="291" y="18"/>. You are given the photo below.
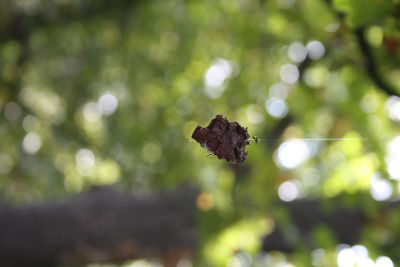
<point x="108" y="93"/>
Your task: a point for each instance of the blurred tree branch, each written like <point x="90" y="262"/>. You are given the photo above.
<point x="371" y="65"/>
<point x="345" y="224"/>
<point x="102" y="225"/>
<point x="272" y="137"/>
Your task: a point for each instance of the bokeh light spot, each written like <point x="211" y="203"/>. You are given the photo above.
<point x="292" y="153"/>
<point x="289" y="73"/>
<point x="317" y="256"/>
<point x="85" y="161"/>
<point x="107" y="172"/>
<point x="31" y="123"/>
<point x="360" y="250"/>
<point x="375" y="36"/>
<point x="332" y="27"/>
<point x="315" y="50"/>
<point x="297" y="52"/>
<point x="346" y="258"/>
<point x="393" y="158"/>
<point x="107" y="103"/>
<point x="205" y="201"/>
<point x="381" y="189"/>
<point x="356" y="255"/>
<point x="316" y="76"/>
<point x="370" y="103"/>
<point x="276" y="107"/>
<point x="279" y="90"/>
<point x="384" y="261"/>
<point x="288" y="191"/>
<point x="91" y="112"/>
<point x="31" y="143"/>
<point x="393" y="107"/>
<point x="45" y="103"/>
<point x="215" y="77"/>
<point x="12" y="111"/>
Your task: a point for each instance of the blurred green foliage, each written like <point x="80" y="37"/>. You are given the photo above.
<point x="109" y="92"/>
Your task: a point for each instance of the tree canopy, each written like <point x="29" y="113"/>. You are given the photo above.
<point x="109" y="92"/>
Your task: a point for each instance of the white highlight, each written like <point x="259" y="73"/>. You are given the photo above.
<point x="365" y="262"/>
<point x="292" y="153"/>
<point x="393" y="158"/>
<point x="31" y="143"/>
<point x="361" y="251"/>
<point x="216" y="76"/>
<point x="297" y="52"/>
<point x="85" y="160"/>
<point x="276" y="107"/>
<point x="315" y="50"/>
<point x="289" y="73"/>
<point x="288" y="191"/>
<point x="393" y="107"/>
<point x="107" y="104"/>
<point x="383" y="261"/>
<point x="346" y="258"/>
<point x="358" y="256"/>
<point x="381" y="189"/>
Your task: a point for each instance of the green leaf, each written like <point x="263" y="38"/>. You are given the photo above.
<point x="363" y="12"/>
